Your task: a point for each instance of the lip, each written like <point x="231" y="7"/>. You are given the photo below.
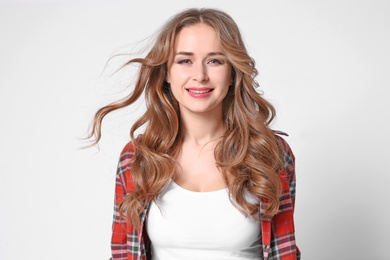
<point x="199" y="92"/>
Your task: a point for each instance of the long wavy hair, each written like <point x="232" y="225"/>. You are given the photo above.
<point x="248" y="154"/>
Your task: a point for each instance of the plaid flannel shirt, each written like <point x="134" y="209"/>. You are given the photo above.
<point x="278" y="235"/>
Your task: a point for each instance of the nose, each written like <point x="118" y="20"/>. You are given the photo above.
<point x="200" y="73"/>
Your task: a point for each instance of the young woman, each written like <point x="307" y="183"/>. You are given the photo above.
<point x="208" y="178"/>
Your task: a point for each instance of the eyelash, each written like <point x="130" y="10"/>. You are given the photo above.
<point x="212" y="61"/>
<point x="185" y="61"/>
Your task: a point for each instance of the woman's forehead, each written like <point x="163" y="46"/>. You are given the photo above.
<point x="198" y="37"/>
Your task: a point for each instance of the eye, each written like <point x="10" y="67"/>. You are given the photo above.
<point x="215" y="61"/>
<point x="184" y="61"/>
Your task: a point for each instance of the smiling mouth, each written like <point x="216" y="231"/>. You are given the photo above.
<point x="199" y="91"/>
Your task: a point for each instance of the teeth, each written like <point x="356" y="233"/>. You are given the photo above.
<point x="198" y="91"/>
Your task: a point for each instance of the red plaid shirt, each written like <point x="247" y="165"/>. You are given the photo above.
<point x="278" y="236"/>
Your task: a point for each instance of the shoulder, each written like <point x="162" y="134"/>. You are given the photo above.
<point x="281" y="140"/>
<point x="124" y="176"/>
<point x="288" y="157"/>
<point x="125" y="162"/>
<point x="126" y="155"/>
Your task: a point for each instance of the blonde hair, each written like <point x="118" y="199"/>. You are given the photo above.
<point x="248" y="154"/>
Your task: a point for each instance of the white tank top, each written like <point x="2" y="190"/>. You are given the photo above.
<point x="201" y="225"/>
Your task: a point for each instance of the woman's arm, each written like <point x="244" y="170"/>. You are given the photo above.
<point x="122" y="185"/>
<point x="283" y="244"/>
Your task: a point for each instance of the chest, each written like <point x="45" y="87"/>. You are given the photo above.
<point x="202" y="224"/>
<point x="196" y="170"/>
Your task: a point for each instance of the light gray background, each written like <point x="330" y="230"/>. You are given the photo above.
<point x="323" y="64"/>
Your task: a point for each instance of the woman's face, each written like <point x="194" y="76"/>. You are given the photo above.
<point x="199" y="72"/>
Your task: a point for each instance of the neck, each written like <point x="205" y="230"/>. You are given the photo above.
<point x="201" y="128"/>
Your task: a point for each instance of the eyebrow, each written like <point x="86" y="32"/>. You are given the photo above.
<point x="191" y="53"/>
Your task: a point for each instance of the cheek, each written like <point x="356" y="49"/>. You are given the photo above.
<point x="225" y="77"/>
<point x="176" y="75"/>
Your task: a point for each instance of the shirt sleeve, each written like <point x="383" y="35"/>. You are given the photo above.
<point x="283" y="244"/>
<point x="289" y="166"/>
<point x="119" y="225"/>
